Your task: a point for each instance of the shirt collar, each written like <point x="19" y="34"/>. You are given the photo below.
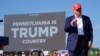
<point x="78" y="17"/>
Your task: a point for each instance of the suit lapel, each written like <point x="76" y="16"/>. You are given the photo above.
<point x="83" y="23"/>
<point x="75" y="26"/>
<point x="72" y="19"/>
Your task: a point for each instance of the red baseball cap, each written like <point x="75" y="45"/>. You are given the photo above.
<point x="76" y="6"/>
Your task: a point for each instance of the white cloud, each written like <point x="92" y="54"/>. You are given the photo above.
<point x="96" y="27"/>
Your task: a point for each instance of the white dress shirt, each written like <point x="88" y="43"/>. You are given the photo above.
<point x="80" y="26"/>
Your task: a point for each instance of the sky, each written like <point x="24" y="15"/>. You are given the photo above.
<point x="89" y="8"/>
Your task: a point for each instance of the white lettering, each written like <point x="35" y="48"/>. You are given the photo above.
<point x="23" y="32"/>
<point x="15" y="30"/>
<point x="43" y="32"/>
<point x="31" y="23"/>
<point x="32" y="41"/>
<point x="53" y="30"/>
<point x="34" y="32"/>
<point x="31" y="33"/>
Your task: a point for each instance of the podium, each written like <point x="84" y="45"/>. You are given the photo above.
<point x="4" y="41"/>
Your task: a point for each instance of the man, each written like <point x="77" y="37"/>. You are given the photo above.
<point x="80" y="32"/>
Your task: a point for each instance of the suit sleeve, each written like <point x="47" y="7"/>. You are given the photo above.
<point x="90" y="31"/>
<point x="68" y="27"/>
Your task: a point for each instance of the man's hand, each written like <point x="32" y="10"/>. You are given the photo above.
<point x="89" y="44"/>
<point x="73" y="21"/>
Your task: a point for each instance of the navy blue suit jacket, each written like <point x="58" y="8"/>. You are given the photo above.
<point x="73" y="31"/>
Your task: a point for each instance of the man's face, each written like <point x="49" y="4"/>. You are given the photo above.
<point x="77" y="12"/>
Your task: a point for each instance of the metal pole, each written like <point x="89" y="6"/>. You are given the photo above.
<point x="0" y="45"/>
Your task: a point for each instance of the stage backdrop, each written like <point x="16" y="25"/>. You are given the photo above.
<point x="35" y="31"/>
